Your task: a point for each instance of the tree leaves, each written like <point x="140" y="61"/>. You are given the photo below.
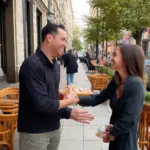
<point x="116" y="15"/>
<point x="77" y="44"/>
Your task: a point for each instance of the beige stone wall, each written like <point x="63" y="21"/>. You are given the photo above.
<point x="42" y="6"/>
<point x="19" y="36"/>
<point x="34" y="26"/>
<point x="63" y="13"/>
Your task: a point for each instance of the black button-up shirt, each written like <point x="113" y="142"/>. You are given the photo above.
<point x="39" y="95"/>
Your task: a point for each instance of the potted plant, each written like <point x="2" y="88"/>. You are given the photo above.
<point x="110" y="73"/>
<point x="147" y="97"/>
<point x="103" y="69"/>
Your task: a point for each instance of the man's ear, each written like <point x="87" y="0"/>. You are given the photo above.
<point x="49" y="37"/>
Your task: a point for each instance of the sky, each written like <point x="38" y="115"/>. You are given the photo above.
<point x="80" y="8"/>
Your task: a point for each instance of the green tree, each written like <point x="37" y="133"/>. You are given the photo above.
<point x="136" y="17"/>
<point x="100" y="29"/>
<point x="77" y="44"/>
<point x="131" y="15"/>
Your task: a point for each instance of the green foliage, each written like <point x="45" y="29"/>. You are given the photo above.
<point x="111" y="73"/>
<point x="116" y="15"/>
<point x="147" y="97"/>
<point x="136" y="14"/>
<point x="107" y="70"/>
<point x="77" y="44"/>
<point x="90" y="35"/>
<point x="103" y="69"/>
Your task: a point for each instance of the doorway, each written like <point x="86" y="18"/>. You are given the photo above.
<point x="3" y="59"/>
<point x="39" y="27"/>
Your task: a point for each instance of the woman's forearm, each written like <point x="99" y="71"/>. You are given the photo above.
<point x="94" y="100"/>
<point x="86" y="100"/>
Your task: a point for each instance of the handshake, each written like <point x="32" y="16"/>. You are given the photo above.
<point x="69" y="97"/>
<point x="70" y="94"/>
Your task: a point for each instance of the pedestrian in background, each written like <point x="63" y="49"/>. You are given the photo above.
<point x="71" y="65"/>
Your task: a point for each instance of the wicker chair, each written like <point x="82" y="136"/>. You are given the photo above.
<point x="98" y="81"/>
<point x="10" y="93"/>
<point x="9" y="108"/>
<point x="7" y="123"/>
<point x="144" y="126"/>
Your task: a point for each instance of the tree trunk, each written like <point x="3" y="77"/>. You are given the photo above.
<point x="138" y="39"/>
<point x="138" y="36"/>
<point x="116" y="38"/>
<point x="97" y="51"/>
<point x="90" y="46"/>
<point x="103" y="50"/>
<point x="106" y="48"/>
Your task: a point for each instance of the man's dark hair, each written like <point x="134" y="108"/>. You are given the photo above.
<point x="51" y="28"/>
<point x="70" y="50"/>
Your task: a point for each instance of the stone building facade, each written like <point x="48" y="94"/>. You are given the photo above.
<point x="21" y="23"/>
<point x="63" y="13"/>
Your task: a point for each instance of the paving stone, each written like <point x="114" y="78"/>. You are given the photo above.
<point x="72" y="133"/>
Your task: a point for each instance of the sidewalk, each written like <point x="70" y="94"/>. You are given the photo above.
<point x="77" y="136"/>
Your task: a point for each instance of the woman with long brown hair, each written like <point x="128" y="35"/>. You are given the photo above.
<point x="126" y="93"/>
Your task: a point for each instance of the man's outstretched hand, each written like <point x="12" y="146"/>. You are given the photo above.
<point x="81" y="116"/>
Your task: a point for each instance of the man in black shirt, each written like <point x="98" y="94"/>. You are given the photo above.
<point x="40" y="109"/>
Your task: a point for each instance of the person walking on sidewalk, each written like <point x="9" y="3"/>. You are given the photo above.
<point x="70" y="62"/>
<point x="126" y="93"/>
<point x="40" y="109"/>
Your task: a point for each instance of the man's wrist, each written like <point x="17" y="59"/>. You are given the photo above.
<point x="70" y="101"/>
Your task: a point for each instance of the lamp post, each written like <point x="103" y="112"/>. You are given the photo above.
<point x="49" y="18"/>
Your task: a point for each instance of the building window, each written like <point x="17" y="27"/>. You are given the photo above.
<point x="39" y="27"/>
<point x="27" y="27"/>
